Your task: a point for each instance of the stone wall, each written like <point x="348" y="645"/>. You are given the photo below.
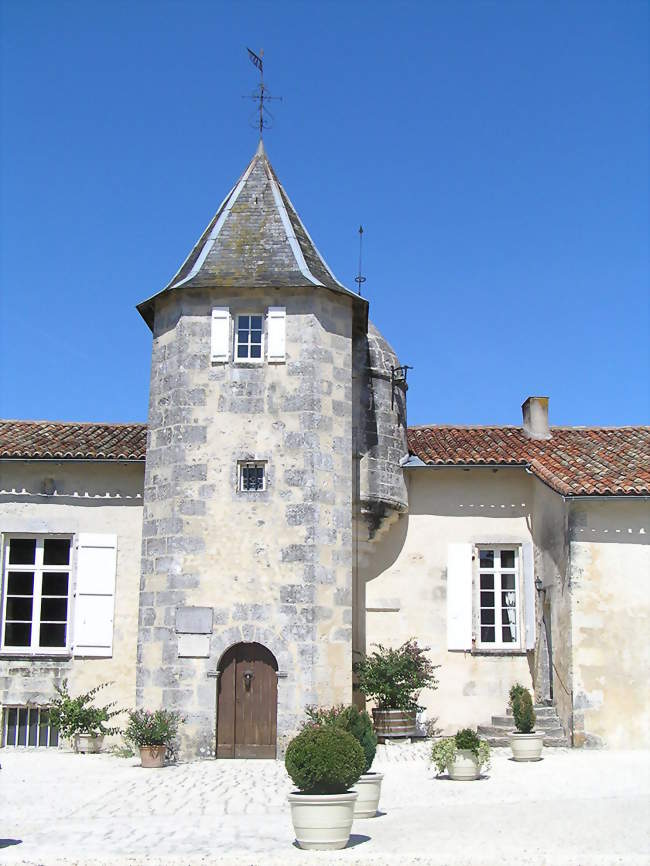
<point x="90" y="497"/>
<point x="274" y="566"/>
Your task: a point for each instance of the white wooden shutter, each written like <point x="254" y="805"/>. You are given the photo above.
<point x="528" y="573"/>
<point x="459" y="596"/>
<point x="95" y="595"/>
<point x="276" y="327"/>
<point x="220" y="336"/>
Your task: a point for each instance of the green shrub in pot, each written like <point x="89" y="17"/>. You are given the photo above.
<point x="351" y="719"/>
<point x="463" y="756"/>
<point x="79" y="719"/>
<point x="153" y="733"/>
<point x="521" y="705"/>
<point x="393" y="678"/>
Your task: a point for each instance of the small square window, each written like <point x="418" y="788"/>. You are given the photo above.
<point x="252" y="477"/>
<point x="249" y="338"/>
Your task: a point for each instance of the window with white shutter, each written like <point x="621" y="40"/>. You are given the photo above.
<point x="276" y="327"/>
<point x="220" y="336"/>
<point x="95" y="594"/>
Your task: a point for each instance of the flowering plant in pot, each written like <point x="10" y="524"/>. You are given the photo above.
<point x="393" y="678"/>
<point x="79" y="720"/>
<point x="463" y="755"/>
<point x="358" y="723"/>
<point x="525" y="742"/>
<point x="152" y="732"/>
<point x="324" y="762"/>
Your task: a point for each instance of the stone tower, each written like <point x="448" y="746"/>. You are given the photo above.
<point x="251" y="475"/>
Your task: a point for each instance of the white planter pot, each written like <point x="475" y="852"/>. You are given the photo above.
<point x="369" y="790"/>
<point x="464" y="767"/>
<point x="88" y="744"/>
<point x="527" y="747"/>
<point x="322" y="821"/>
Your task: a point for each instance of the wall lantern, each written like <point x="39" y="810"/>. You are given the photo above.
<point x="539" y="586"/>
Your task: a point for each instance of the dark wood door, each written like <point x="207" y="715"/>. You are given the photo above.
<point x="248" y="702"/>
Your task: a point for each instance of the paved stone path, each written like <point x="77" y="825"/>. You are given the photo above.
<point x="575" y="807"/>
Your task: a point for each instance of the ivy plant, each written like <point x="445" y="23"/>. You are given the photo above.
<point x="444" y="751"/>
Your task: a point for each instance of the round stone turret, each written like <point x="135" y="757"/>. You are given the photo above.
<point x="383" y="441"/>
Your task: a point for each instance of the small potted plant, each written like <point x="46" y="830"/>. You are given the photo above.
<point x="356" y="722"/>
<point x="525" y="742"/>
<point x="324" y="762"/>
<point x="463" y="756"/>
<point x="78" y="720"/>
<point x="152" y="732"/>
<point x="393" y="679"/>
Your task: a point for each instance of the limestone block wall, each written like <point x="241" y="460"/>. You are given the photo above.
<point x="274" y="566"/>
<point x="610" y="608"/>
<point x="406" y="574"/>
<point x="90" y="497"/>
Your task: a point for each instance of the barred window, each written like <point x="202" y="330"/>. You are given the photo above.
<point x="252" y="476"/>
<point x="28" y="726"/>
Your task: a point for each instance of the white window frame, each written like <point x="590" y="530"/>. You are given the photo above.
<point x="37" y="568"/>
<point x="498" y="643"/>
<point x="248" y="359"/>
<point x="257" y="464"/>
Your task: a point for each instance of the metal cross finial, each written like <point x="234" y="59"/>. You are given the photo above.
<point x="261" y="94"/>
<point x="359" y="280"/>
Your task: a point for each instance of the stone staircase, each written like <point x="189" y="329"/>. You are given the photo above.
<point x="498" y="733"/>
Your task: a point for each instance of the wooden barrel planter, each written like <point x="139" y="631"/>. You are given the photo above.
<point x="394" y="723"/>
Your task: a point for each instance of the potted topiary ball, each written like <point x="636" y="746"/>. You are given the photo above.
<point x="324" y="762"/>
<point x="525" y="742"/>
<point x="358" y="723"/>
<point x="463" y="755"/>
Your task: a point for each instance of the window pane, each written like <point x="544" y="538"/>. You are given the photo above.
<point x="52" y="635"/>
<point x="487" y="581"/>
<point x="33" y="726"/>
<point x="508" y="633"/>
<point x="42" y="728"/>
<point x="508" y="600"/>
<point x="507" y="559"/>
<point x="19" y="608"/>
<point x="242" y="336"/>
<point x="507" y="581"/>
<point x="256" y="336"/>
<point x="18" y="634"/>
<point x="256" y="351"/>
<point x="22" y="726"/>
<point x="487" y="616"/>
<point x="487" y="634"/>
<point x="22" y="551"/>
<point x="256" y="323"/>
<point x="487" y="599"/>
<point x="20" y="583"/>
<point x="486" y="558"/>
<point x="55" y="583"/>
<point x="12" y="719"/>
<point x="56" y="551"/>
<point x="54" y="609"/>
<point x="243" y="323"/>
<point x="242" y="351"/>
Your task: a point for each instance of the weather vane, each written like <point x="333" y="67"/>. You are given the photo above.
<point x="261" y="94"/>
<point x="359" y="280"/>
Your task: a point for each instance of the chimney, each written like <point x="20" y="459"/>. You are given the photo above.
<point x="535" y="412"/>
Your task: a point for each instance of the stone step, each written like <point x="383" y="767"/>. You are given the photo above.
<point x="500" y="732"/>
<point x="541" y="711"/>
<point x="541" y="722"/>
<point x="549" y="742"/>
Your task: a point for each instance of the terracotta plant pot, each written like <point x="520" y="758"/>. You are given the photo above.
<point x="152" y="756"/>
<point x="527" y="747"/>
<point x="394" y="723"/>
<point x="88" y="744"/>
<point x="465" y="767"/>
<point x="322" y="822"/>
<point x="369" y="790"/>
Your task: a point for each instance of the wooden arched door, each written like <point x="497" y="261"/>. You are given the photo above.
<point x="247" y="705"/>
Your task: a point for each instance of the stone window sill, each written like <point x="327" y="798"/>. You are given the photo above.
<point x="33" y="656"/>
<point x="498" y="652"/>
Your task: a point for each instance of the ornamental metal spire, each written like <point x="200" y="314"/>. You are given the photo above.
<point x="360" y="279"/>
<point x="261" y="95"/>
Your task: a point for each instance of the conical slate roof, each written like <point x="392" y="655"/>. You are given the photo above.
<point x="256" y="239"/>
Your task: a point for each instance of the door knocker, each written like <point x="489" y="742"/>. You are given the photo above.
<point x="248" y="676"/>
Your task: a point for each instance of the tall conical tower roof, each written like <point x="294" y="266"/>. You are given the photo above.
<point x="255" y="240"/>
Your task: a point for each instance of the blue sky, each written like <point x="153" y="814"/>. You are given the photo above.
<point x="496" y="154"/>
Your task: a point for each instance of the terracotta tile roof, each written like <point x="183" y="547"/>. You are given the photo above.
<point x="576" y="461"/>
<point x="69" y="441"/>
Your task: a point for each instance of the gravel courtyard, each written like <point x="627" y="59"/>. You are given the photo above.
<point x="575" y="807"/>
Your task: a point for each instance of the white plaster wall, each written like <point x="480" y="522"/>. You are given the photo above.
<point x="406" y="569"/>
<point x="90" y="497"/>
<point x="610" y="583"/>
